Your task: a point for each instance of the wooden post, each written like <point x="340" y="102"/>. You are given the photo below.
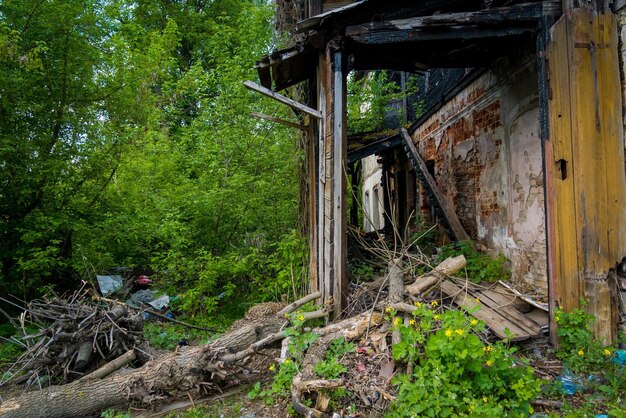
<point x="584" y="161"/>
<point x="340" y="156"/>
<point x="332" y="222"/>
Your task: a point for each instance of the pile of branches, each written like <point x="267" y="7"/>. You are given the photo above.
<point x="68" y="337"/>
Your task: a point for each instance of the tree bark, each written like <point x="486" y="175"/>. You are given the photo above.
<point x="181" y="371"/>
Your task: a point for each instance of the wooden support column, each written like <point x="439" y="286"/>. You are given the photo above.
<point x="584" y="163"/>
<point x="332" y="226"/>
<point x="312" y="206"/>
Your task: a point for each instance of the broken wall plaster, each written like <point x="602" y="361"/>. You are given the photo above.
<point x="487" y="155"/>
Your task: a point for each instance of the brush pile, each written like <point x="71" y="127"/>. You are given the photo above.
<point x="68" y="337"/>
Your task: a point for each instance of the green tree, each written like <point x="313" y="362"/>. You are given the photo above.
<point x="125" y="138"/>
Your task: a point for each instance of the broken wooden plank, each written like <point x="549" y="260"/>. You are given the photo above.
<point x="491" y="299"/>
<point x="279" y="120"/>
<point x="427" y="180"/>
<point x="497" y="323"/>
<point x="282" y="99"/>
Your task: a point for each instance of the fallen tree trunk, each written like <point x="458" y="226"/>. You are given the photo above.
<point x="188" y="369"/>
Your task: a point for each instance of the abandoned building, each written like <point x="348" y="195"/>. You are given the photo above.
<point x="519" y="147"/>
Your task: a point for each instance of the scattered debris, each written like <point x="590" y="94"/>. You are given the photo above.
<point x="497" y="307"/>
<point x="74" y="336"/>
<point x="110" y="284"/>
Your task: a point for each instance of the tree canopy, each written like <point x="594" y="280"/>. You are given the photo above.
<point x="125" y="139"/>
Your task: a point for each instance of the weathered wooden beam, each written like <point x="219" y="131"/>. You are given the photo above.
<point x="282" y="99"/>
<point x="339" y="157"/>
<point x="375" y="148"/>
<point x="279" y="120"/>
<point x="527" y="13"/>
<point x="394" y="36"/>
<point x="440" y="200"/>
<point x="361" y="11"/>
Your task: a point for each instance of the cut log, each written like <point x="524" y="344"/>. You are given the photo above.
<point x="84" y="355"/>
<point x="396" y="291"/>
<point x="396" y="281"/>
<point x="447" y="267"/>
<point x="110" y="367"/>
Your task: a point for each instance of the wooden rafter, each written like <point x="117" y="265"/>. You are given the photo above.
<point x="284" y="100"/>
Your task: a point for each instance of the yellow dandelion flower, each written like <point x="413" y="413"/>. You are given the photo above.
<point x="477" y="300"/>
<point x="485" y="399"/>
<point x="487" y="348"/>
<point x="272" y="368"/>
<point x="581" y="353"/>
<point x="448" y="333"/>
<point x="474" y="322"/>
<point x="418" y="304"/>
<point x="434" y="303"/>
<point x="458" y="331"/>
<point x="300" y="318"/>
<point x="436" y="317"/>
<point x="396" y="321"/>
<point x="607" y="352"/>
<point x="287" y="361"/>
<point x="489" y="362"/>
<point x="412" y="322"/>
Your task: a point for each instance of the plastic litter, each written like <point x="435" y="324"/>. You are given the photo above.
<point x="160" y="302"/>
<point x="143" y="280"/>
<point x="570" y="382"/>
<point x="141" y="297"/>
<point x="619" y="357"/>
<point x="109" y="284"/>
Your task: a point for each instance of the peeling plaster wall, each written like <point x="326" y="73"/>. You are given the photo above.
<point x="371" y="188"/>
<point x="487" y="156"/>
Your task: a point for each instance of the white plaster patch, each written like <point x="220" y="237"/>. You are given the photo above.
<point x="438" y="140"/>
<point x="463" y="148"/>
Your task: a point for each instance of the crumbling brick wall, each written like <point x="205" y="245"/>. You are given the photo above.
<point x="486" y="151"/>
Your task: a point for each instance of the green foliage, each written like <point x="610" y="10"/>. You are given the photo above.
<point x="9" y="352"/>
<point x="601" y="381"/>
<point x="577" y="347"/>
<point x="455" y="373"/>
<point x="480" y="267"/>
<point x="111" y="413"/>
<point x="267" y="272"/>
<point x="331" y="367"/>
<point x="225" y="408"/>
<point x="299" y="342"/>
<point x="425" y="235"/>
<point x="125" y="139"/>
<point x="167" y="336"/>
<point x="281" y="386"/>
<point x="360" y="270"/>
<point x="368" y="100"/>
